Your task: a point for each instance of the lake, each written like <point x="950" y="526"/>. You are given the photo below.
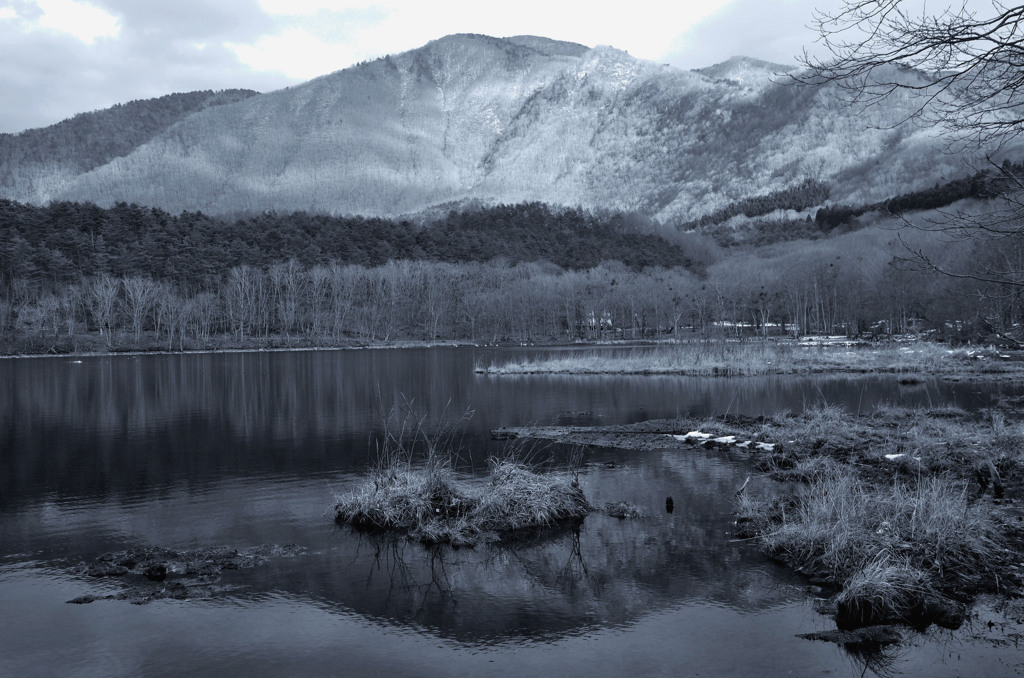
<point x="103" y="454"/>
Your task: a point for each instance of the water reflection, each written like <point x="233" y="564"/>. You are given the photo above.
<point x="125" y="425"/>
<point x="249" y="449"/>
<point x="603" y="572"/>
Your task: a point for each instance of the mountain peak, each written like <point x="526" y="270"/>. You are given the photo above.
<point x="540" y="45"/>
<point x="743" y="64"/>
<point x="549" y="47"/>
<point x="745" y="71"/>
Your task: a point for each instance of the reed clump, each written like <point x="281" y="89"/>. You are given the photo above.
<point x="894" y="551"/>
<point x="415" y="490"/>
<point x="433" y="506"/>
<point x="885" y="591"/>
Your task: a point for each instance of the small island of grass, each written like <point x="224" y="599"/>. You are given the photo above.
<point x="414" y="490"/>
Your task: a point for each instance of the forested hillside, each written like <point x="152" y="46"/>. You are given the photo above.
<point x="845" y="285"/>
<point x="798" y="212"/>
<point x="470" y="118"/>
<point x="34" y="163"/>
<point x="66" y="241"/>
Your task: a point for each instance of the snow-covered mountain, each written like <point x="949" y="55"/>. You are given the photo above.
<point x="475" y="118"/>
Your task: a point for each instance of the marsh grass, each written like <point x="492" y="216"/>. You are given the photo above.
<point x="888" y="548"/>
<point x="752" y="358"/>
<point x="891" y="507"/>
<point x="920" y="441"/>
<point x="884" y="590"/>
<point x="414" y="489"/>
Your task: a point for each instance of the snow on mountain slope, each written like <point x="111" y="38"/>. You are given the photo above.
<point x="475" y="118"/>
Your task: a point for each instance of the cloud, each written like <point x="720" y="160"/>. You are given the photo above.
<point x="295" y="54"/>
<point x="48" y="75"/>
<point x="190" y="20"/>
<point x="309" y="7"/>
<point x="319" y="36"/>
<point x="79" y="19"/>
<point x="774" y="31"/>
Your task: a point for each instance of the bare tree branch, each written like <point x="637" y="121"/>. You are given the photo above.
<point x="965" y="70"/>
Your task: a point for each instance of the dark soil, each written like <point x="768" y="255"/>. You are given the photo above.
<point x="155" y="573"/>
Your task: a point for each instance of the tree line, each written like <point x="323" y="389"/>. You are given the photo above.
<point x="808" y="193"/>
<point x="846" y="285"/>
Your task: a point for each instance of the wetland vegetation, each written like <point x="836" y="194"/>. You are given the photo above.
<point x="910" y="359"/>
<point x="414" y="489"/>
<point x="902" y="514"/>
<point x="905" y="514"/>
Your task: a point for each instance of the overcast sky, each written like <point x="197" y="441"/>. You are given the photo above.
<point x="61" y="57"/>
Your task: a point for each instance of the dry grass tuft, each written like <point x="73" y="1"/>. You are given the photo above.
<point x="435" y="507"/>
<point x="416" y="491"/>
<point x="888" y="548"/>
<point x="883" y="591"/>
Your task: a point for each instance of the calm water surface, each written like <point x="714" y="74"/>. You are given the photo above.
<point x="245" y="449"/>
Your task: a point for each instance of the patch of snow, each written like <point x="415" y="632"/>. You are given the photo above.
<point x="894" y="457"/>
<point x="692" y="435"/>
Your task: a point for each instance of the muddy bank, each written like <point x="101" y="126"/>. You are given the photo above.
<point x="654" y="434"/>
<point x="155" y="573"/>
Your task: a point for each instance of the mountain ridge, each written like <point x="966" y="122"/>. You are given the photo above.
<point x="472" y="118"/>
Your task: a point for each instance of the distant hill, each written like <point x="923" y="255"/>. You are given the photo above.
<point x="470" y="119"/>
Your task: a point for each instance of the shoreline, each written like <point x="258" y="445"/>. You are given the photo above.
<point x="909" y="360"/>
<point x="271" y="349"/>
<point x="402" y="344"/>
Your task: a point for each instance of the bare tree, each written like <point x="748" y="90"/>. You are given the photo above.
<point x="318" y="281"/>
<point x="963" y="70"/>
<point x="343" y="283"/>
<point x="103" y="292"/>
<point x="140" y="297"/>
<point x="70" y="297"/>
<point x="241" y="294"/>
<point x="170" y="314"/>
